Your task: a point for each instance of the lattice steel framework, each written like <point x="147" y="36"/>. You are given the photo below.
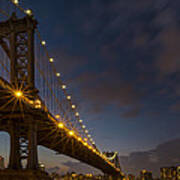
<point x="17" y="40"/>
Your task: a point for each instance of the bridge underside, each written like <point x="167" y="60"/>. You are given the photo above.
<point x="48" y="135"/>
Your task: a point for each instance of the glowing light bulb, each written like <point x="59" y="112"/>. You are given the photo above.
<point x="68" y="97"/>
<point x="85" y="139"/>
<point x="76" y="114"/>
<point x="143" y="171"/>
<point x="50" y="59"/>
<point x="89" y="135"/>
<point x="80" y="121"/>
<point x="86" y="131"/>
<point x="79" y="139"/>
<point x="83" y="126"/>
<point x="73" y="106"/>
<point x="71" y="133"/>
<point x="15" y="2"/>
<point x="58" y="74"/>
<point x="18" y="94"/>
<point x="43" y="43"/>
<point x="37" y="106"/>
<point x="37" y="102"/>
<point x="60" y="125"/>
<point x="63" y="86"/>
<point x="31" y="102"/>
<point x="57" y="116"/>
<point x="85" y="143"/>
<point x="28" y="12"/>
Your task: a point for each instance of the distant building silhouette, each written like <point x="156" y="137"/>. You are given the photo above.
<point x="146" y="175"/>
<point x="172" y="173"/>
<point x="131" y="177"/>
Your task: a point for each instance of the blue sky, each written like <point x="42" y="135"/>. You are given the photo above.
<point x="121" y="61"/>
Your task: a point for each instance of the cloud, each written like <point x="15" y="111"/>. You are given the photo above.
<point x="123" y="50"/>
<point x="62" y="169"/>
<point x="141" y="40"/>
<point x="159" y="35"/>
<point x="53" y="169"/>
<point x="177" y="90"/>
<point x="68" y="63"/>
<point x="99" y="89"/>
<point x="133" y="113"/>
<point x="168" y="59"/>
<point x="165" y="18"/>
<point x="165" y="154"/>
<point x="81" y="168"/>
<point x="108" y="88"/>
<point x="175" y="107"/>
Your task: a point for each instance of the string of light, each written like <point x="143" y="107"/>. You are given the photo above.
<point x="64" y="88"/>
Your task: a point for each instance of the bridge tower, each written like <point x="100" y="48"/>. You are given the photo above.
<point x="17" y="40"/>
<point x="113" y="157"/>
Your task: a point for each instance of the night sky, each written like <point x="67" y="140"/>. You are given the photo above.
<point x="121" y="61"/>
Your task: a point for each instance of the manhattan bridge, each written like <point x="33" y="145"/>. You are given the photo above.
<point x="36" y="107"/>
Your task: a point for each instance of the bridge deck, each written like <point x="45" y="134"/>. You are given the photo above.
<point x="49" y="135"/>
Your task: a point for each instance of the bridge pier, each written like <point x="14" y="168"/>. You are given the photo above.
<point x="23" y="146"/>
<point x="14" y="158"/>
<point x="32" y="147"/>
<point x="19" y="135"/>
